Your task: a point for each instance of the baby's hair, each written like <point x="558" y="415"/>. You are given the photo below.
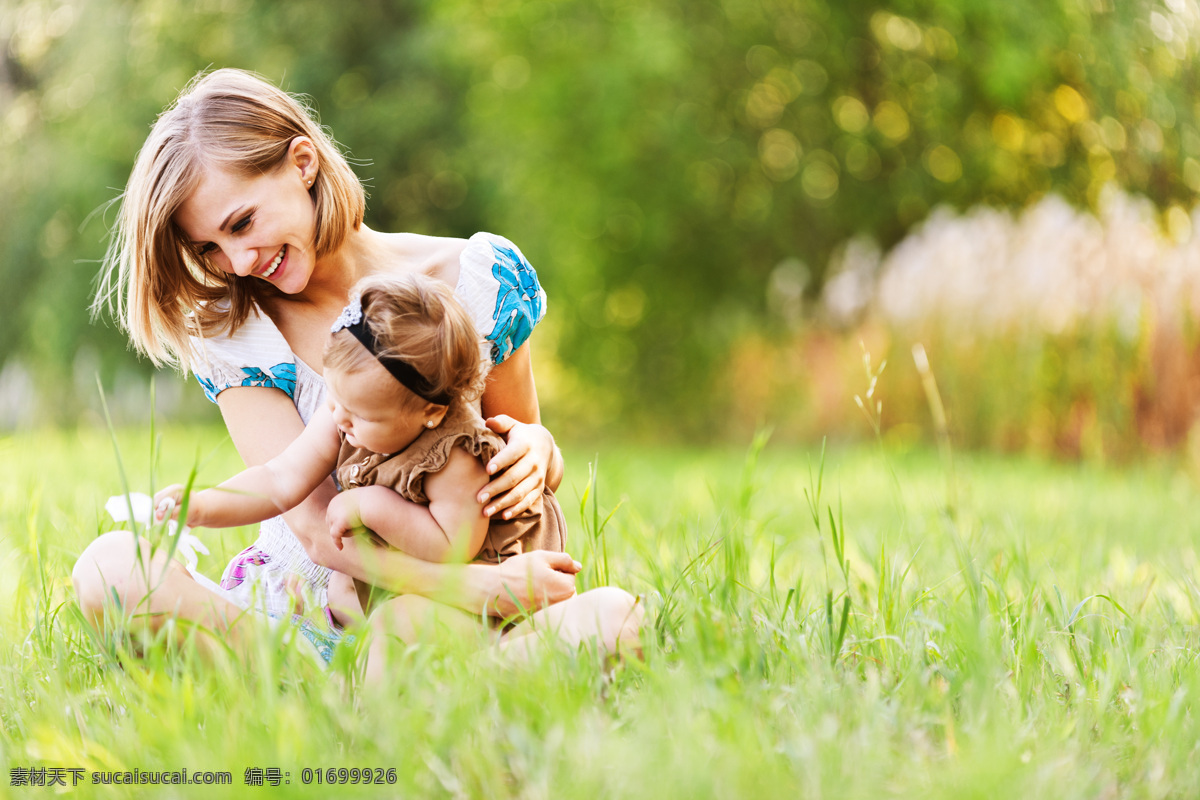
<point x="159" y="288"/>
<point x="418" y="320"/>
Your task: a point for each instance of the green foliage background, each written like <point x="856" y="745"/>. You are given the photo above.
<point x="670" y="168"/>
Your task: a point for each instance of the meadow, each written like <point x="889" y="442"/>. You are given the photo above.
<point x="873" y="621"/>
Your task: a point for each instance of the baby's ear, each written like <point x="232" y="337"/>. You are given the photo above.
<point x="434" y="414"/>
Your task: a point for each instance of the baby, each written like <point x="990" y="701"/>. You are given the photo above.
<point x="402" y="369"/>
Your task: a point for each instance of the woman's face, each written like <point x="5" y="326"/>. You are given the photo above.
<point x="261" y="226"/>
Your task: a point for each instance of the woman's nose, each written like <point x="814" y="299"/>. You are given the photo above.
<point x="243" y="260"/>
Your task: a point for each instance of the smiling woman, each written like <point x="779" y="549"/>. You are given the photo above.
<point x="203" y="174"/>
<point x="240" y="234"/>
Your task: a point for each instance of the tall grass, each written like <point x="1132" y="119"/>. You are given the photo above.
<point x="1055" y="331"/>
<point x="809" y="633"/>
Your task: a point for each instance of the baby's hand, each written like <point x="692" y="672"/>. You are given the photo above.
<point x="166" y="502"/>
<point x="343" y="517"/>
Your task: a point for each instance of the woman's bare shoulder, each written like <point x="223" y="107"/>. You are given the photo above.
<point x="436" y="256"/>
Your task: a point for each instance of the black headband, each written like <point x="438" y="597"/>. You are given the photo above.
<point x="353" y="320"/>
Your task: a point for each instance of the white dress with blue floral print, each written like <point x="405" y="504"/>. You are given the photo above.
<point x="500" y="291"/>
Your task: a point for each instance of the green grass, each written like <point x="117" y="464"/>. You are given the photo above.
<point x="1041" y="642"/>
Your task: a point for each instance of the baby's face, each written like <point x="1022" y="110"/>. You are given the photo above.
<point x="367" y="408"/>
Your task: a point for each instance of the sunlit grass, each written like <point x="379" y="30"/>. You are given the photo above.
<point x="1041" y="640"/>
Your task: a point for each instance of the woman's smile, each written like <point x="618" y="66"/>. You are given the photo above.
<point x="275" y="264"/>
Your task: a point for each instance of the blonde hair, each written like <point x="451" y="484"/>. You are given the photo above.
<point x="415" y="319"/>
<point x="157" y="286"/>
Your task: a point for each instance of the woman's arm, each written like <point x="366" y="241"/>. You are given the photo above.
<point x="530" y="460"/>
<point x="263" y="422"/>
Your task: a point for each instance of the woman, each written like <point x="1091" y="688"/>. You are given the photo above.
<point x="240" y="234"/>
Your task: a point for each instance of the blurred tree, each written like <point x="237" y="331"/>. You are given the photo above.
<point x="667" y="166"/>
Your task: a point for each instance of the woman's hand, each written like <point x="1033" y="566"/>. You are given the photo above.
<point x="529" y="581"/>
<point x="528" y="461"/>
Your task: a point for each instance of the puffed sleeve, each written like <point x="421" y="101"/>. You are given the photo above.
<point x="257" y="355"/>
<point x="500" y="291"/>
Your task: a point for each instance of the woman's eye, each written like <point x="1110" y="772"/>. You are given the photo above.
<point x="206" y="248"/>
<point x="241" y="224"/>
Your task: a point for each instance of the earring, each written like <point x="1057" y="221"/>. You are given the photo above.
<point x="428" y="423"/>
<point x="309" y="182"/>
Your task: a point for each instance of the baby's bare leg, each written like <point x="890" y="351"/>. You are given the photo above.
<point x="411" y="618"/>
<point x="343" y="600"/>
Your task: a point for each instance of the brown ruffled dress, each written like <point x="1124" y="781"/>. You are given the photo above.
<point x="405" y="472"/>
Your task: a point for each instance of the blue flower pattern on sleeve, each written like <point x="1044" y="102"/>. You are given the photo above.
<point x="210" y="388"/>
<point x="518" y="303"/>
<point x="281" y="376"/>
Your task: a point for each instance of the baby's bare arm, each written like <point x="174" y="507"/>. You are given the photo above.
<point x="451" y="528"/>
<point x="266" y="490"/>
